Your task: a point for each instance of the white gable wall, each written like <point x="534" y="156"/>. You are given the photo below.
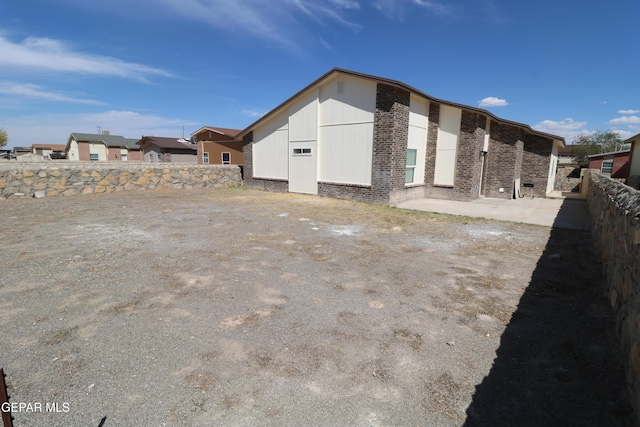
<point x="345" y="122"/>
<point x="418" y="125"/>
<point x="271" y="148"/>
<point x="100" y="149"/>
<point x="303" y="131"/>
<point x="447" y="145"/>
<point x="303" y="118"/>
<point x="73" y="153"/>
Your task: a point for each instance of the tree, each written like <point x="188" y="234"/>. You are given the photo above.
<point x="3" y="137"/>
<point x="596" y="143"/>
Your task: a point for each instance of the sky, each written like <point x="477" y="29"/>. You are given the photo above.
<point x="170" y="67"/>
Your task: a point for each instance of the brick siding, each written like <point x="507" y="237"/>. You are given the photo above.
<point x="503" y="166"/>
<point x="390" y="137"/>
<point x="536" y="158"/>
<point x="468" y="162"/>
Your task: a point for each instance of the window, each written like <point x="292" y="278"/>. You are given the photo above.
<point x="607" y="166"/>
<point x="93" y="157"/>
<point x="302" y="151"/>
<point x="226" y="158"/>
<point x="205" y="158"/>
<point x="412" y="155"/>
<point x="340" y="86"/>
<point x="124" y="157"/>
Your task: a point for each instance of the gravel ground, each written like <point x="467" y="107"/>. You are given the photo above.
<point x="238" y="307"/>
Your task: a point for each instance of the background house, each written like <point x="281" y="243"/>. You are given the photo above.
<point x="20" y="151"/>
<point x="217" y="146"/>
<point x="158" y="149"/>
<point x="101" y="147"/>
<point x="52" y="151"/>
<point x="356" y="136"/>
<point x="615" y="165"/>
<point x="564" y="155"/>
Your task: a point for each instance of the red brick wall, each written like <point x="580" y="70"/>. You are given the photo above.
<point x="113" y="153"/>
<point x="83" y="151"/>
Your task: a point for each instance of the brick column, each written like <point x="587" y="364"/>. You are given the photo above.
<point x="536" y="162"/>
<point x="390" y="137"/>
<point x="504" y="159"/>
<point x="469" y="161"/>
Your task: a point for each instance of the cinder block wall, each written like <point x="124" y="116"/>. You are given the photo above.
<point x="73" y="178"/>
<point x="615" y="212"/>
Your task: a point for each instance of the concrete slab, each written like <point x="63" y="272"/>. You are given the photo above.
<point x="561" y="210"/>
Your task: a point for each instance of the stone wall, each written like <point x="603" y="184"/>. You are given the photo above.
<point x="567" y="178"/>
<point x="73" y="178"/>
<point x="615" y="212"/>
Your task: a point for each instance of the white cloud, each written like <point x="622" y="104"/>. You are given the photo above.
<point x="628" y="111"/>
<point x="346" y="4"/>
<point x="624" y="134"/>
<point x="28" y="90"/>
<point x="492" y="101"/>
<point x="55" y="128"/>
<point x="279" y="22"/>
<point x="626" y="120"/>
<point x="36" y="55"/>
<point x="254" y="113"/>
<point x="395" y="9"/>
<point x="567" y="128"/>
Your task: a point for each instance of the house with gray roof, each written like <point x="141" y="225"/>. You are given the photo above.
<point x="360" y="137"/>
<point x="158" y="149"/>
<point x="101" y="147"/>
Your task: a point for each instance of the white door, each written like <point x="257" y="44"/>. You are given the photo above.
<point x="302" y="167"/>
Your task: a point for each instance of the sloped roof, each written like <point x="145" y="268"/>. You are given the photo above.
<point x="626" y="151"/>
<point x="402" y="86"/>
<point x="632" y="139"/>
<point x="109" y="140"/>
<point x="565" y="151"/>
<point x="164" y="142"/>
<point x="232" y="133"/>
<point x="55" y="147"/>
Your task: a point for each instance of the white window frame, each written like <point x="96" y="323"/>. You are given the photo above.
<point x="94" y="157"/>
<point x="609" y="167"/>
<point x="302" y="151"/>
<point x="228" y="161"/>
<point x="205" y="158"/>
<point x="411" y="168"/>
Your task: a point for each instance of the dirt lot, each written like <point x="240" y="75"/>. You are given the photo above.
<point x="236" y="307"/>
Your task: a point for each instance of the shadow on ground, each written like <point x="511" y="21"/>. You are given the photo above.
<point x="558" y="362"/>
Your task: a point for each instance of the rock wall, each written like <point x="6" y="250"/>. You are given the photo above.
<point x="69" y="179"/>
<point x="567" y="178"/>
<point x="615" y="209"/>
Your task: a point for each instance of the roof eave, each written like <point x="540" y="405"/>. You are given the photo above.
<point x="401" y="86"/>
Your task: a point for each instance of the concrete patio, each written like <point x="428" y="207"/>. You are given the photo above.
<point x="560" y="210"/>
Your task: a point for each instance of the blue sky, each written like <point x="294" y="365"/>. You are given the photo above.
<point x="154" y="67"/>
